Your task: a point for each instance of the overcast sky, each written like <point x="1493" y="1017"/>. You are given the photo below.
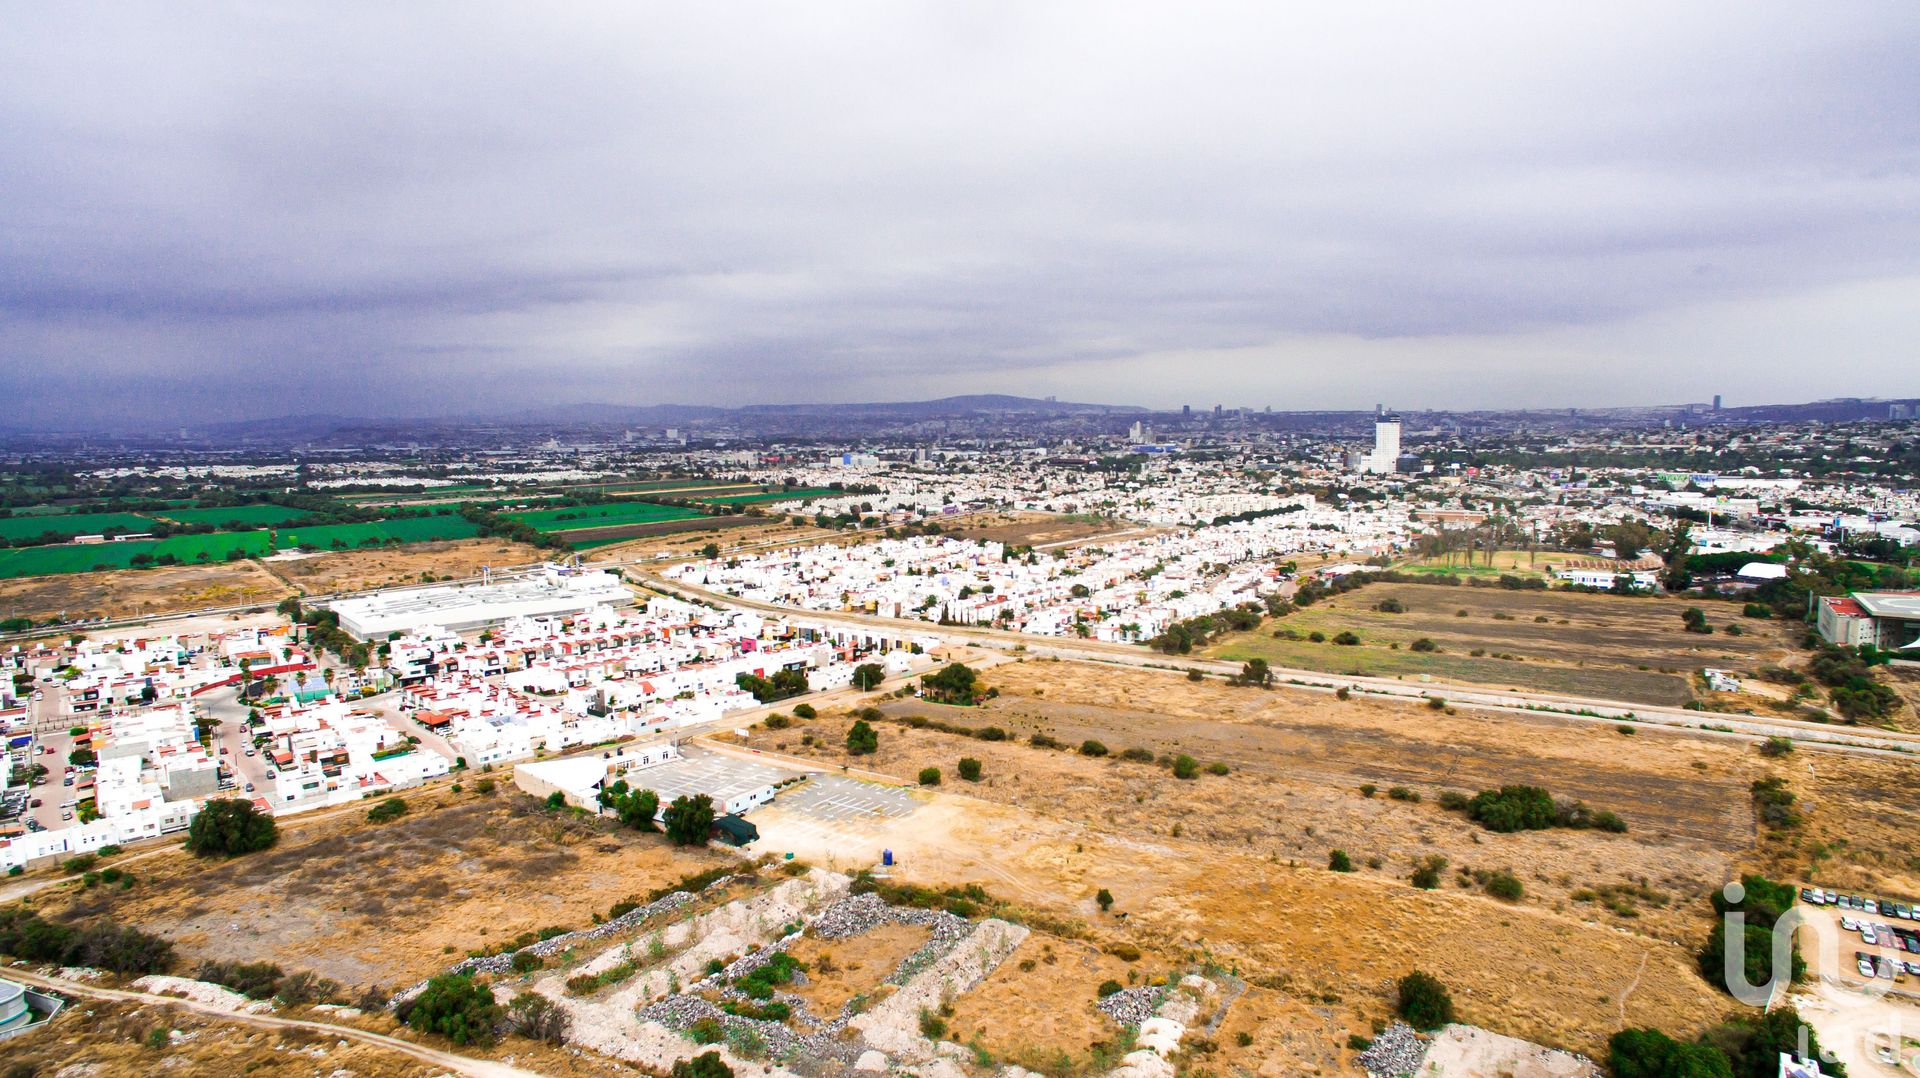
<point x="216" y="211"/>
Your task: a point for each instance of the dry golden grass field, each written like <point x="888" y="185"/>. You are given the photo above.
<point x="1617" y="647"/>
<point x="359" y="570"/>
<point x="126" y="593"/>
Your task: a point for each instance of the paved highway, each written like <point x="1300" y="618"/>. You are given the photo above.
<point x="1871" y="742"/>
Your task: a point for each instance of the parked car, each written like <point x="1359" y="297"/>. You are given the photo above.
<point x="250" y="790"/>
<point x="1849" y="924"/>
<point x="1810" y="896"/>
<point x="1865" y="967"/>
<point x="66" y="814"/>
<point x="1872" y="906"/>
<point x="1868" y="937"/>
<point x="35" y="803"/>
<point x="223" y="750"/>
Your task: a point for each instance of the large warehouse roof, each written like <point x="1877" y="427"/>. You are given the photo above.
<point x="551" y="590"/>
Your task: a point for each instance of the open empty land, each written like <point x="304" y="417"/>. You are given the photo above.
<point x="1044" y="529"/>
<point x="395" y="903"/>
<point x="140" y="592"/>
<point x="1617" y="647"/>
<point x="358" y="570"/>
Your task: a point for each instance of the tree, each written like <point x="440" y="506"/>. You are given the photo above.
<point x="1105" y="899"/>
<point x="1185" y="767"/>
<point x="1513" y="808"/>
<point x="929" y="776"/>
<point x="956" y="683"/>
<point x="1649" y="1053"/>
<point x="862" y="739"/>
<point x="1678" y="548"/>
<point x="969" y="769"/>
<point x="1424" y="1001"/>
<point x="228" y="827"/>
<point x="455" y="1006"/>
<point x="704" y="1065"/>
<point x="689" y="820"/>
<point x="1338" y="861"/>
<point x="391" y="809"/>
<point x="868" y="676"/>
<point x="534" y="1016"/>
<point x="711" y="550"/>
<point x="1256" y="672"/>
<point x="82" y="757"/>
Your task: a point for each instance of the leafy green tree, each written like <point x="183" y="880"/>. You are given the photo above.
<point x="455" y="1006"/>
<point x="229" y="827"/>
<point x="1256" y="672"/>
<point x="1513" y="808"/>
<point x="689" y="820"/>
<point x="969" y="769"/>
<point x="862" y="739"/>
<point x="956" y="683"/>
<point x="868" y="676"/>
<point x="1424" y="1002"/>
<point x="391" y="809"/>
<point x="1105" y="899"/>
<point x="1338" y="861"/>
<point x="1649" y="1053"/>
<point x="929" y="776"/>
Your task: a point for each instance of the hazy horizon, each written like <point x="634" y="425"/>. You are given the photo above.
<point x="231" y="212"/>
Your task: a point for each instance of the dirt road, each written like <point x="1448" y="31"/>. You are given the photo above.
<point x="478" y="1068"/>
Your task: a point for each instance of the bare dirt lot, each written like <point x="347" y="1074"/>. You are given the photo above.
<point x="1618" y="647"/>
<point x="391" y="904"/>
<point x="138" y="592"/>
<point x="1233" y="866"/>
<point x="359" y="570"/>
<point x="1045" y="529"/>
<point x="758" y="532"/>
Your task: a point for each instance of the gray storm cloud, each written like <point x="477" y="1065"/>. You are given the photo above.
<point x="231" y="211"/>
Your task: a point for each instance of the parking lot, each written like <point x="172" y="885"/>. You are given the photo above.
<point x="832" y="798"/>
<point x="1879" y="935"/>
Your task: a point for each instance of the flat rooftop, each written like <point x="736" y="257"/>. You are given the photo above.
<point x="720" y="777"/>
<point x="1890" y="604"/>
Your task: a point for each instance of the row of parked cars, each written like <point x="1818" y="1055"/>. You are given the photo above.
<point x="1881" y="907"/>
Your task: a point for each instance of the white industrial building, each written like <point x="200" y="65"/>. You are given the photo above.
<point x="551" y="589"/>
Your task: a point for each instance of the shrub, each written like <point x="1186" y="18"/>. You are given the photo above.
<point x="1338" y="861"/>
<point x="483" y="787"/>
<point x="1427" y="875"/>
<point x="932" y="1026"/>
<point x="1125" y="952"/>
<point x="1757" y="610"/>
<point x="707" y="1031"/>
<point x="1343" y="693"/>
<point x="1108" y="988"/>
<point x="862" y="739"/>
<point x="535" y="1017"/>
<point x="255" y="980"/>
<point x="1185" y="767"/>
<point x="1424" y="1001"/>
<point x="393" y="808"/>
<point x="777" y="721"/>
<point x="1195" y="675"/>
<point x="1092" y="748"/>
<point x="1105" y="899"/>
<point x="79" y="864"/>
<point x="1317" y="637"/>
<point x="555" y="802"/>
<point x="1401" y="793"/>
<point x="1453" y="800"/>
<point x="455" y="1006"/>
<point x="1138" y="755"/>
<point x="929" y="776"/>
<point x="1513" y="808"/>
<point x="1776" y="746"/>
<point x="805" y="711"/>
<point x="704" y="1065"/>
<point x="526" y="962"/>
<point x="1218" y="768"/>
<point x="689" y="820"/>
<point x="229" y="827"/>
<point x="1390" y="606"/>
<point x="1505" y="886"/>
<point x="1347" y="640"/>
<point x="1368" y="789"/>
<point x="1649" y="1053"/>
<point x="1424" y="645"/>
<point x="1437" y="703"/>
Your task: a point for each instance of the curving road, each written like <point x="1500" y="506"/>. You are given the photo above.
<point x="478" y="1068"/>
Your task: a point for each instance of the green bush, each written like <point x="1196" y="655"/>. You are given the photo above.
<point x="1505" y="886"/>
<point x="391" y="809"/>
<point x="1401" y="793"/>
<point x="969" y="769"/>
<point x="929" y="776"/>
<point x="526" y="962"/>
<point x="862" y="739"/>
<point x="1092" y="748"/>
<point x="805" y="711"/>
<point x="1776" y="746"/>
<point x="1424" y="1002"/>
<point x="1108" y="988"/>
<point x="1649" y="1053"/>
<point x="1513" y="808"/>
<point x="1105" y="899"/>
<point x="229" y="827"/>
<point x="1338" y="861"/>
<point x="1424" y="645"/>
<point x="1185" y="767"/>
<point x="704" y="1065"/>
<point x="455" y="1006"/>
<point x="689" y="821"/>
<point x="1347" y="640"/>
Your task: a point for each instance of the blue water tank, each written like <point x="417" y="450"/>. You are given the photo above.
<point x="886" y="858"/>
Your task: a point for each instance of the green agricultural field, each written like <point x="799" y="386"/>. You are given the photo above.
<point x="351" y="536"/>
<point x="239" y="517"/>
<point x="775" y="496"/>
<point x="69" y="524"/>
<point x="86" y="557"/>
<point x="575" y="518"/>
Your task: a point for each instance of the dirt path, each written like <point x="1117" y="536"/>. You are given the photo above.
<point x="478" y="1068"/>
